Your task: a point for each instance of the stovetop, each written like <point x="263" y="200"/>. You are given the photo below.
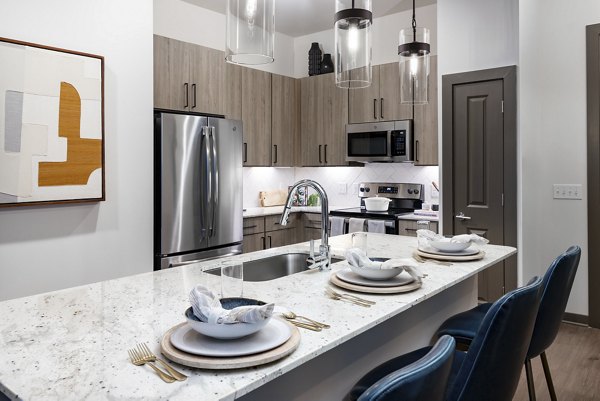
<point x="363" y="213"/>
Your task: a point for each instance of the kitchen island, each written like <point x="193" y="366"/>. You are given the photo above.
<point x="72" y="344"/>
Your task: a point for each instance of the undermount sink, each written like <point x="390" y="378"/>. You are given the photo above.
<point x="273" y="267"/>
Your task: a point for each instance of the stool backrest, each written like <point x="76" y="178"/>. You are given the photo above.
<point x="425" y="379"/>
<point x="556" y="285"/>
<point x="492" y="366"/>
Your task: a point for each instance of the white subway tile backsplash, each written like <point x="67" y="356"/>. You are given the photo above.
<point x="258" y="179"/>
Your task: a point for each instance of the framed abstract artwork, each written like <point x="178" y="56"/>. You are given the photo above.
<point x="51" y="125"/>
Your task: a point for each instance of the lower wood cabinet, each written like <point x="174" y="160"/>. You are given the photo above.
<point x="265" y="232"/>
<point x="410" y="227"/>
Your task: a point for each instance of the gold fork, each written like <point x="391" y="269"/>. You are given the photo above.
<point x="137" y="360"/>
<point x="348" y="298"/>
<point x="148" y="356"/>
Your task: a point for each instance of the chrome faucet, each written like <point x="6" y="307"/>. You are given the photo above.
<point x="323" y="259"/>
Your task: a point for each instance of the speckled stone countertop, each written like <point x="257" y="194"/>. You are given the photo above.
<point x="275" y="210"/>
<point x="72" y="344"/>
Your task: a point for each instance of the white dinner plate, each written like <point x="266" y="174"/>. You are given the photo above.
<point x="272" y="335"/>
<point x="349" y="276"/>
<point x="464" y="252"/>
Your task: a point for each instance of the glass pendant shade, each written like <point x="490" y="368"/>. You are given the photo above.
<point x="250" y="31"/>
<point x="352" y="54"/>
<point x="414" y="52"/>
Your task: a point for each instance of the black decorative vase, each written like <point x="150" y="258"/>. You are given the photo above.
<point x="314" y="59"/>
<point x="326" y="64"/>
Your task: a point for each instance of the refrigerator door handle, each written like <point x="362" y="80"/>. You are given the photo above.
<point x="208" y="174"/>
<point x="214" y="180"/>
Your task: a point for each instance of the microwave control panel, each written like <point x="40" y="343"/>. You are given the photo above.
<point x="398" y="143"/>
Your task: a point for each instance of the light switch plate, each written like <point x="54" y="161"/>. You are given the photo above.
<point x="435" y="194"/>
<point x="342" y="188"/>
<point x="567" y="191"/>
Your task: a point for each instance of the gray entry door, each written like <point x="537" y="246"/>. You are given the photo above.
<point x="474" y="189"/>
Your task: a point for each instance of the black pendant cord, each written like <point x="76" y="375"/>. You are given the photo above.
<point x="414" y="23"/>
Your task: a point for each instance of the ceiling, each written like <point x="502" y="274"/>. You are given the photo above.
<point x="301" y="17"/>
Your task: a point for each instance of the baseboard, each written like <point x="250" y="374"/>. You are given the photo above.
<point x="576" y="318"/>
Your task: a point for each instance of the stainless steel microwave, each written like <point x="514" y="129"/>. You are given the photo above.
<point x="389" y="141"/>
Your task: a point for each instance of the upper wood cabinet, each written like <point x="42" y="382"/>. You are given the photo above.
<point x="285" y="120"/>
<point x="188" y="77"/>
<point x="256" y="116"/>
<point x="426" y="123"/>
<point x="324" y="115"/>
<point x="381" y="100"/>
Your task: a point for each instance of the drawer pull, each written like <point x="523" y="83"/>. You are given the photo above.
<point x="247" y="227"/>
<point x="410" y="229"/>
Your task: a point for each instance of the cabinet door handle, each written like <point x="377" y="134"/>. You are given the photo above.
<point x="245" y="152"/>
<point x="375" y="109"/>
<point x="249" y="227"/>
<point x="320" y="153"/>
<point x="187" y="95"/>
<point x="194" y="95"/>
<point x="381" y="109"/>
<point x="275" y="146"/>
<point x="410" y="229"/>
<point x="325" y="154"/>
<point x="270" y="243"/>
<point x="417" y="151"/>
<point x="264" y="242"/>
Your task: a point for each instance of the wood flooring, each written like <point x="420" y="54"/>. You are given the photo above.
<point x="574" y="360"/>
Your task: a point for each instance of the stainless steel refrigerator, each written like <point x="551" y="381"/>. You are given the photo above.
<point x="197" y="188"/>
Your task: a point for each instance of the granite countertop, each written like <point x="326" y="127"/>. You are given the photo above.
<point x="412" y="216"/>
<point x="71" y="344"/>
<point x="276" y="210"/>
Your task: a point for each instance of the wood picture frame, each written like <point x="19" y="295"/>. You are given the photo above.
<point x="51" y="125"/>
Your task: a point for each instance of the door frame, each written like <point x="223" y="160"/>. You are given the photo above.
<point x="508" y="75"/>
<point x="593" y="169"/>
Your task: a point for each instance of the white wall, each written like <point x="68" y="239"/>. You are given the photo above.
<point x="181" y="20"/>
<point x="384" y="42"/>
<point x="47" y="248"/>
<point x="552" y="90"/>
<point x="477" y="34"/>
<point x="480" y="34"/>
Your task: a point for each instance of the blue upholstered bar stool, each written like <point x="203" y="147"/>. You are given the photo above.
<point x="424" y="379"/>
<point x="557" y="284"/>
<point x="491" y="368"/>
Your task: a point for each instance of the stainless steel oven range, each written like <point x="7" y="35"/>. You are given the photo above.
<point x="405" y="198"/>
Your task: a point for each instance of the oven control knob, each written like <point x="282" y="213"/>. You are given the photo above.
<point x="410" y="191"/>
<point x="362" y="190"/>
<point x="416" y="191"/>
<point x="367" y="189"/>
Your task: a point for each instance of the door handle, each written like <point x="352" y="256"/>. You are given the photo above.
<point x="187" y="95"/>
<point x="194" y="96"/>
<point x="381" y="108"/>
<point x="245" y="152"/>
<point x="325" y="154"/>
<point x="320" y="153"/>
<point x="375" y="109"/>
<point x="270" y="243"/>
<point x="205" y="184"/>
<point x="461" y="216"/>
<point x="264" y="242"/>
<point x="275" y="147"/>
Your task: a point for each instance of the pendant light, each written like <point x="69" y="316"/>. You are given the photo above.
<point x="414" y="52"/>
<point x="352" y="64"/>
<point x="250" y="26"/>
